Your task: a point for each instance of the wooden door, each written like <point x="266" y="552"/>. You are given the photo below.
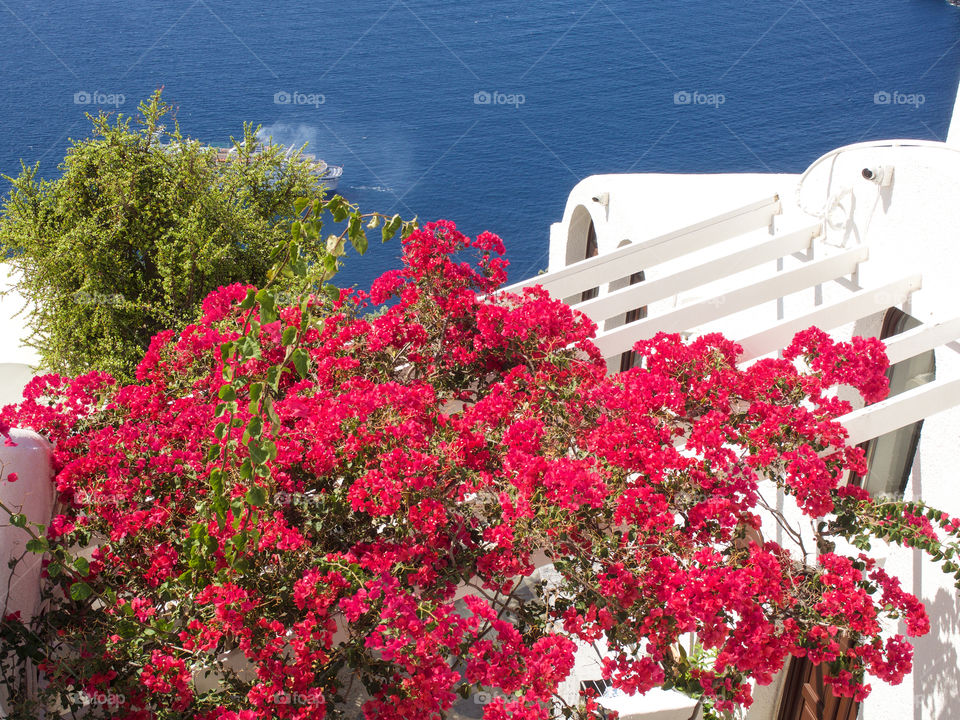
<point x="806" y="697"/>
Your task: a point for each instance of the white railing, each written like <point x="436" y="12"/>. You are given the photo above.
<point x="611" y="266"/>
<point x="699" y="313"/>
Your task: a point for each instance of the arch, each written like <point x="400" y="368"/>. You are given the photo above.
<point x="578" y="230"/>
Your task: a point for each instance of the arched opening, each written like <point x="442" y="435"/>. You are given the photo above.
<point x="591" y="250"/>
<point x="581" y="224"/>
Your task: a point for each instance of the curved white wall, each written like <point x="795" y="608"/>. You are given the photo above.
<point x="33" y="495"/>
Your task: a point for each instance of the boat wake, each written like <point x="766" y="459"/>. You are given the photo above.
<point x="373" y="188"/>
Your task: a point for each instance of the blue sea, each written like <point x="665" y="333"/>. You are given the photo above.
<point x="488" y="113"/>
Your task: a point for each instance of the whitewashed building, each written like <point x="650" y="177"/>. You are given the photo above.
<point x="865" y="242"/>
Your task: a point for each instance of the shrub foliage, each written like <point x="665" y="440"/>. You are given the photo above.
<point x="141" y="225"/>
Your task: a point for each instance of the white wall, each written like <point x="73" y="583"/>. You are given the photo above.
<point x="33" y="495"/>
<point x="914" y="223"/>
<point x="16" y="360"/>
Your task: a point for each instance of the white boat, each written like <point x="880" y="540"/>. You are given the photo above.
<point x="330" y="174"/>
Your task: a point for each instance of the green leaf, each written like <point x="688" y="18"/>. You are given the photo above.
<point x="335" y="245"/>
<point x="82" y="566"/>
<point x="217" y="477"/>
<point x="258" y="455"/>
<point x="257" y="496"/>
<point x="19" y="520"/>
<point x="38" y="545"/>
<point x="273" y="377"/>
<point x="289" y="336"/>
<point x="300" y="359"/>
<point x="80" y="591"/>
<point x="247" y="348"/>
<point x="249" y="300"/>
<point x="271" y="412"/>
<point x="390" y="228"/>
<point x="227" y="392"/>
<point x="256" y="389"/>
<point x="337" y="207"/>
<point x="268" y="305"/>
<point x="255" y="428"/>
<point x="300" y="204"/>
<point x="358" y="238"/>
<point x="332" y="292"/>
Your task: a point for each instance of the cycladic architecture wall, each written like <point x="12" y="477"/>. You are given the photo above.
<point x="866" y="228"/>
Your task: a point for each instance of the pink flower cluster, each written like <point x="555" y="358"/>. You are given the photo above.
<point x="429" y="457"/>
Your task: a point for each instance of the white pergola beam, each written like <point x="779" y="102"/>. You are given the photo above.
<point x="650" y="291"/>
<point x="901" y="410"/>
<point x="920" y="339"/>
<point x="602" y="269"/>
<point x="696" y="314"/>
<point x="848" y="309"/>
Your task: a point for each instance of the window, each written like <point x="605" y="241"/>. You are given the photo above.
<point x="629" y="358"/>
<point x="603" y="688"/>
<point x="890" y="457"/>
<point x="890" y="460"/>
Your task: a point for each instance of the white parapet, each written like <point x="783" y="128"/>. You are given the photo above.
<point x="27" y="455"/>
<point x="32" y="494"/>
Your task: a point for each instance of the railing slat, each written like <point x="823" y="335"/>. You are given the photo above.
<point x="848" y="309"/>
<point x="602" y="269"/>
<point x="901" y="410"/>
<point x="650" y="291"/>
<point x="619" y="340"/>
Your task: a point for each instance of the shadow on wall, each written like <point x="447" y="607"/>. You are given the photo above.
<point x="936" y="664"/>
<point x="13" y="378"/>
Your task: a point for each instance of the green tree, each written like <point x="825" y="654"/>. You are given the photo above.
<point x="141" y="225"/>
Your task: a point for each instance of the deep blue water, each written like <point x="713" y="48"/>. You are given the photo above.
<point x="398" y="79"/>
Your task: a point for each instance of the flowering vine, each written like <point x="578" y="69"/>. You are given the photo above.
<point x="339" y="505"/>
